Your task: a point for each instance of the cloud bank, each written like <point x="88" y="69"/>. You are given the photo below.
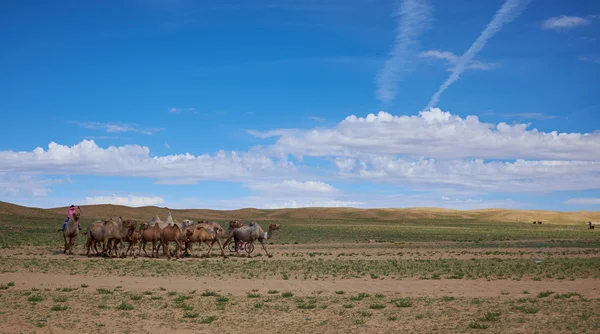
<point x="131" y="200"/>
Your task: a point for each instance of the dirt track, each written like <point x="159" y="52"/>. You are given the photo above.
<point x="589" y="288"/>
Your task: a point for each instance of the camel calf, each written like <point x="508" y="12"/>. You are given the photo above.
<point x="200" y="234"/>
<point x="172" y="233"/>
<point x="149" y="234"/>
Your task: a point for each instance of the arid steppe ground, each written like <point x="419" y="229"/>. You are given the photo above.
<point x="333" y="270"/>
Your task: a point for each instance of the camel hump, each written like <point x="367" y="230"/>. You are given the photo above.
<point x="170" y="219"/>
<point x="154" y="219"/>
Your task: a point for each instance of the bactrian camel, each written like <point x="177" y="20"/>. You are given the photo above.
<point x="251" y="232"/>
<point x="200" y="234"/>
<point x="70" y="233"/>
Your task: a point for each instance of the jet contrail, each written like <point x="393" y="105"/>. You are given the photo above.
<point x="508" y="12"/>
<point x="414" y="18"/>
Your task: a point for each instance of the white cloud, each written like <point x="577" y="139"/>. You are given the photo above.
<point x="523" y="115"/>
<point x="518" y="176"/>
<point x="167" y="146"/>
<point x="267" y="134"/>
<point x="26" y="185"/>
<point x="112" y="127"/>
<point x="134" y="160"/>
<point x="293" y="187"/>
<point x="435" y="134"/>
<point x="414" y="18"/>
<point x="592" y="59"/>
<point x="316" y="119"/>
<point x="178" y="110"/>
<point x="446" y="198"/>
<point x="130" y="200"/>
<point x="508" y="12"/>
<point x="564" y="22"/>
<point x="313" y="204"/>
<point x="361" y="200"/>
<point x="437" y="149"/>
<point x="583" y="201"/>
<point x="452" y="59"/>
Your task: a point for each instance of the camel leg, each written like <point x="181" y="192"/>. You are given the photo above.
<point x="209" y="248"/>
<point x="227" y="241"/>
<point x="142" y="243"/>
<point x="71" y="246"/>
<point x="88" y="246"/>
<point x="133" y="251"/>
<point x="165" y="246"/>
<point x="189" y="246"/>
<point x="105" y="248"/>
<point x="220" y="247"/>
<point x="178" y="249"/>
<point x="264" y="247"/>
<point x="66" y="243"/>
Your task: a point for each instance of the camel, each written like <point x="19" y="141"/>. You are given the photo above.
<point x="172" y="233"/>
<point x="70" y="233"/>
<point x="228" y="234"/>
<point x="132" y="239"/>
<point x="149" y="234"/>
<point x="251" y="232"/>
<point x="200" y="234"/>
<point x="110" y="233"/>
<point x="94" y="233"/>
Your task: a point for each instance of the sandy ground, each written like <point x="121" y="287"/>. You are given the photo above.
<point x="518" y="304"/>
<point x="589" y="288"/>
<point x="358" y="251"/>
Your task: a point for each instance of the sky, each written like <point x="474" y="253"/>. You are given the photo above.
<point x="461" y="104"/>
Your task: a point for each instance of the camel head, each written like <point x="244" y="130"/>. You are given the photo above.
<point x="234" y="224"/>
<point x="190" y="232"/>
<point x="143" y="225"/>
<point x="274" y="227"/>
<point x="76" y="216"/>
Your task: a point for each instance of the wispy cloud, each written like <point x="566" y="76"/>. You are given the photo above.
<point x="452" y="59"/>
<point x="414" y="18"/>
<point x="316" y="118"/>
<point x="564" y="22"/>
<point x="113" y="127"/>
<point x="167" y="146"/>
<point x="508" y="12"/>
<point x="592" y="59"/>
<point x="524" y="115"/>
<point x="178" y="110"/>
<point x="131" y="200"/>
<point x="267" y="134"/>
<point x="583" y="201"/>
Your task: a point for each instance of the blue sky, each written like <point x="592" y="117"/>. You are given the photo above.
<point x="268" y="104"/>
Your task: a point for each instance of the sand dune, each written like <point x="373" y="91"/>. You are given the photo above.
<point x="146" y="213"/>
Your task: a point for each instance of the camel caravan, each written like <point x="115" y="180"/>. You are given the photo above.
<point x="111" y="235"/>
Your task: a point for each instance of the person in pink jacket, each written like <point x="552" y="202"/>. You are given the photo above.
<point x="72" y="209"/>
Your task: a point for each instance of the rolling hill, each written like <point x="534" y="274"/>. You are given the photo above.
<point x="147" y="212"/>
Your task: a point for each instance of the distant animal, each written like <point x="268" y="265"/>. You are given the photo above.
<point x="592" y="225"/>
<point x="537" y="222"/>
